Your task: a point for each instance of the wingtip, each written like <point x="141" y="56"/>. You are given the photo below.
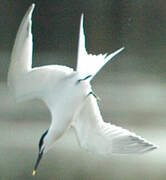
<point x="119" y="50"/>
<point x="152" y="146"/>
<point x="81" y="41"/>
<point x="149" y="149"/>
<point x="110" y="56"/>
<point x="81" y="21"/>
<point x="32" y="6"/>
<point x="30" y="10"/>
<point x="122" y="48"/>
<point x="82" y="15"/>
<point x="155" y="147"/>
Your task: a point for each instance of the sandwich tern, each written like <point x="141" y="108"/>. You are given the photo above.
<point x="69" y="97"/>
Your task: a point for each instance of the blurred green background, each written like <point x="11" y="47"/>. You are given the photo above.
<point x="132" y="88"/>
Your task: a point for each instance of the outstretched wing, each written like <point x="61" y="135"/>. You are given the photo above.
<point x="88" y="64"/>
<point x="21" y="58"/>
<point x="104" y="138"/>
<point x="23" y="81"/>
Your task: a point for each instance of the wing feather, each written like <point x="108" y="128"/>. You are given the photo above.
<point x="104" y="138"/>
<point x="88" y="64"/>
<point x="21" y="57"/>
<point x="24" y="81"/>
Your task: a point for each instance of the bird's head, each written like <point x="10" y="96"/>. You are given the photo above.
<point x="42" y="150"/>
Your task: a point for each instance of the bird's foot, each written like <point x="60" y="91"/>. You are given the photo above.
<point x="97" y="97"/>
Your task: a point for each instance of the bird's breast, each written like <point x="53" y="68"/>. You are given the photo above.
<point x="67" y="95"/>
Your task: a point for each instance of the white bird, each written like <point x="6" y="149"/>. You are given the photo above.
<point x="69" y="97"/>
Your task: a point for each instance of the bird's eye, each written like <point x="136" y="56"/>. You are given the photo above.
<point x="41" y="139"/>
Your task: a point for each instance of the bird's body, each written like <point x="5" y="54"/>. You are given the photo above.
<point x="63" y="99"/>
<point x="69" y="97"/>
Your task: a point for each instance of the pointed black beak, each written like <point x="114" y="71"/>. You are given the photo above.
<point x="37" y="162"/>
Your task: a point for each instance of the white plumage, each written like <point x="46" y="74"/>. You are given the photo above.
<point x="104" y="138"/>
<point x="66" y="93"/>
<point x="87" y="63"/>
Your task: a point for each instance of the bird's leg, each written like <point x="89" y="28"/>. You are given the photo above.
<point x="92" y="93"/>
<point x="87" y="77"/>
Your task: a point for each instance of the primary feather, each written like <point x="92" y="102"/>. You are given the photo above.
<point x="104" y="138"/>
<point x="24" y="81"/>
<point x="93" y="133"/>
<point x="88" y="64"/>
